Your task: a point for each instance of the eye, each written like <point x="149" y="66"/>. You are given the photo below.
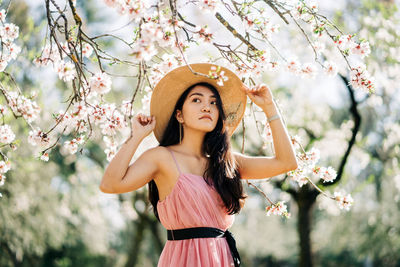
<point x="195" y="99"/>
<point x="215" y="102"/>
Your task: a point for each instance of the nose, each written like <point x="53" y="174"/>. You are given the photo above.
<point x="206" y="107"/>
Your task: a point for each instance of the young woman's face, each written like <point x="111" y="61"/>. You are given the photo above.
<point x="200" y="102"/>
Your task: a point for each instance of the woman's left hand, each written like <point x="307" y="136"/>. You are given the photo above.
<point x="261" y="95"/>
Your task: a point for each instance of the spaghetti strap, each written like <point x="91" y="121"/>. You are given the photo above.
<point x="177" y="165"/>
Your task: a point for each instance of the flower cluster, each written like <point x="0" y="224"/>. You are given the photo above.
<point x="21" y="105"/>
<point x="4" y="167"/>
<point x="6" y="134"/>
<point x="72" y="145"/>
<point x="111" y="145"/>
<point x="100" y="83"/>
<point x="39" y="138"/>
<point x="135" y="8"/>
<point x="326" y="174"/>
<point x="204" y="33"/>
<point x="218" y="74"/>
<point x="304" y="9"/>
<point x="278" y="209"/>
<point x="360" y="78"/>
<point x="307" y="167"/>
<point x="208" y="6"/>
<point x="307" y="70"/>
<point x="51" y="53"/>
<point x="262" y="25"/>
<point x="8" y="33"/>
<point x="345" y="202"/>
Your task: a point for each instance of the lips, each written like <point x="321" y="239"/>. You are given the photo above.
<point x="206" y="117"/>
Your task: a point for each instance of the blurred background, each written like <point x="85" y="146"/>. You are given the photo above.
<point x="53" y="213"/>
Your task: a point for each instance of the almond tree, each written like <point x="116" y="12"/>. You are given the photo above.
<point x="242" y="37"/>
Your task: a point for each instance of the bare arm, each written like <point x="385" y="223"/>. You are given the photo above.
<point x="284" y="151"/>
<point x="264" y="167"/>
<point x="119" y="177"/>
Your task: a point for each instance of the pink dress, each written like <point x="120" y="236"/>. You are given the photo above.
<point x="193" y="203"/>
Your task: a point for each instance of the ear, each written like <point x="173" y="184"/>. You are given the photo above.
<point x="178" y="116"/>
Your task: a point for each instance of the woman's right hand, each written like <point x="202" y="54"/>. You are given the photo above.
<point x="142" y="125"/>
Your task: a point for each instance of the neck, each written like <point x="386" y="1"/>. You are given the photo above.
<point x="192" y="143"/>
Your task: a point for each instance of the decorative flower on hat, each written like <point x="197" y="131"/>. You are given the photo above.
<point x="216" y="73"/>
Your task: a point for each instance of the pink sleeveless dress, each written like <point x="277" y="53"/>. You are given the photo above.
<point x="193" y="203"/>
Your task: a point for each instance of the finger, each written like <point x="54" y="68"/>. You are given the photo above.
<point x="244" y="87"/>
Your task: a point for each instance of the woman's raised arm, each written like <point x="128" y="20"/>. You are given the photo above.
<point x="119" y="177"/>
<point x="285" y="157"/>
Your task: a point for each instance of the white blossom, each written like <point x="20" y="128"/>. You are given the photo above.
<point x="344" y="202"/>
<point x="100" y="83"/>
<point x="65" y="70"/>
<point x="6" y="134"/>
<point x="5" y="166"/>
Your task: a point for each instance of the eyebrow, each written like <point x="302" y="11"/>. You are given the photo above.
<point x="201" y="95"/>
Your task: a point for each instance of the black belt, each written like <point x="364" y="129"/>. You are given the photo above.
<point x="200" y="232"/>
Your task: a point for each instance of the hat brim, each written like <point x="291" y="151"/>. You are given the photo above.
<point x="168" y="90"/>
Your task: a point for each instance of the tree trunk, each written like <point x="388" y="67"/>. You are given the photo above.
<point x="137" y="240"/>
<point x="305" y="201"/>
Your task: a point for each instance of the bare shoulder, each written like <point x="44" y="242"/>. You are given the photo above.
<point x="156" y="154"/>
<point x="161" y="156"/>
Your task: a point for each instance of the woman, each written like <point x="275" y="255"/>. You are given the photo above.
<point x="194" y="177"/>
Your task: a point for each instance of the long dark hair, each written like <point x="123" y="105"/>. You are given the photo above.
<point x="221" y="170"/>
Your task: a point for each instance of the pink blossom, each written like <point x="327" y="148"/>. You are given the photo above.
<point x="344" y="202"/>
<point x="22" y="105"/>
<point x="48" y="55"/>
<point x="13" y="50"/>
<point x="330" y="68"/>
<point x="346" y="42"/>
<point x="5" y="166"/>
<point x="114" y="123"/>
<point x="363" y="49"/>
<point x="45" y="156"/>
<point x="126" y="107"/>
<point x="6" y="134"/>
<point x="65" y="70"/>
<point x="72" y="145"/>
<point x="112" y="146"/>
<point x="299" y="176"/>
<point x="2" y="15"/>
<point x="2" y="180"/>
<point x="37" y="137"/>
<point x="360" y="78"/>
<point x="312" y="157"/>
<point x="208" y="6"/>
<point x="308" y="70"/>
<point x="278" y="209"/>
<point x="205" y="34"/>
<point x="293" y="65"/>
<point x="327" y="174"/>
<point x="81" y="126"/>
<point x="9" y="31"/>
<point x="144" y="50"/>
<point x="64" y="49"/>
<point x="80" y="110"/>
<point x="100" y="83"/>
<point x="87" y="50"/>
<point x="3" y="65"/>
<point x="216" y="73"/>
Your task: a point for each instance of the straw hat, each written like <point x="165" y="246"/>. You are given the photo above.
<point x="168" y="90"/>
